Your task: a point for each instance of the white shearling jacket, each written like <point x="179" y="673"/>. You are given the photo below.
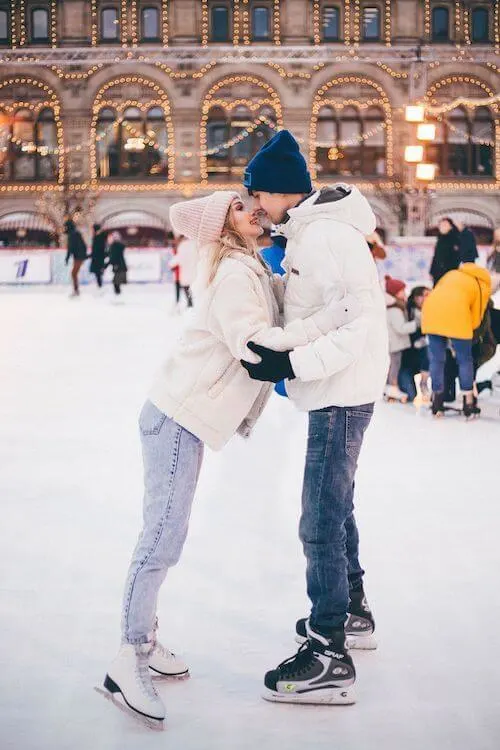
<point x="203" y="385"/>
<point x="326" y="258"/>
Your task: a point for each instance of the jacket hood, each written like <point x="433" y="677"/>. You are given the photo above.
<point x="341" y="202"/>
<point x="481" y="274"/>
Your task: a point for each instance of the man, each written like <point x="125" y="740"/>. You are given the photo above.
<point x="467" y="246"/>
<point x="336" y="379"/>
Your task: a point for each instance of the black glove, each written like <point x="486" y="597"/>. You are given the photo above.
<point x="275" y="366"/>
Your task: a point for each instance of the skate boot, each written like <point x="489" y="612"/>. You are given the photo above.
<point x="129" y="675"/>
<point x="438" y="404"/>
<point x="359" y="627"/>
<point x="165" y="663"/>
<point x="321" y="672"/>
<point x="470" y="408"/>
<point x="392" y="393"/>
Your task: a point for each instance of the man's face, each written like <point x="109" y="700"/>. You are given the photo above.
<point x="273" y="205"/>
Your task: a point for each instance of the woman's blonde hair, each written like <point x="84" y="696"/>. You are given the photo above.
<point x="231" y="241"/>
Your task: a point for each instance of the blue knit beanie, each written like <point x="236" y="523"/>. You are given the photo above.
<point x="278" y="167"/>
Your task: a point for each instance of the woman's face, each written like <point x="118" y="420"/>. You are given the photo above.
<point x="245" y="222"/>
<point x="444" y="226"/>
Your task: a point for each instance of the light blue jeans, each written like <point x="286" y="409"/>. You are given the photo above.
<point x="172" y="459"/>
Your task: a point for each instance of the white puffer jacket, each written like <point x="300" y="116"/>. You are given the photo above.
<point x="327" y="256"/>
<point x="203" y="386"/>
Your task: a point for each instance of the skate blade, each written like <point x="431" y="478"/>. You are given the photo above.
<point x="160" y="676"/>
<point x="157" y="725"/>
<point x="355" y="642"/>
<point x="361" y="642"/>
<point x="327" y="697"/>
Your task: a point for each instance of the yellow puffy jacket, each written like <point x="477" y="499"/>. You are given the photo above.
<point x="457" y="304"/>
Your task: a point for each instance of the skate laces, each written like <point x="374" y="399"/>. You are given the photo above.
<point x="300" y="662"/>
<point x="164" y="651"/>
<point x="144" y="677"/>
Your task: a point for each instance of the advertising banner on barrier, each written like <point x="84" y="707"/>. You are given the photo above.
<point x="25" y="268"/>
<point x="143" y="266"/>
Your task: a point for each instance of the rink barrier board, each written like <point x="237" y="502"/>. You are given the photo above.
<point x="406" y="260"/>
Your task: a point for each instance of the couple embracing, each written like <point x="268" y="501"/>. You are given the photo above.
<point x="324" y="332"/>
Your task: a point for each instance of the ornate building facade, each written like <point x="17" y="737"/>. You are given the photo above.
<point x="126" y="105"/>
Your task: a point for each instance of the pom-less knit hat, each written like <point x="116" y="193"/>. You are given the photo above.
<point x="393" y="286"/>
<point x="278" y="167"/>
<point x="202" y="219"/>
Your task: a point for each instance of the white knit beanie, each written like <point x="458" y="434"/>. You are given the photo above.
<point x="202" y="219"/>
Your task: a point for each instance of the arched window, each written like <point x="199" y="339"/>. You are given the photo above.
<point x="46" y="141"/>
<point x="464" y="143"/>
<point x="4" y="27"/>
<point x="4" y="146"/>
<point x="480" y="25"/>
<point x="351" y="143"/>
<point x="374" y="142"/>
<point x="219" y="23"/>
<point x="40" y="25"/>
<point x="371" y="24"/>
<point x="110" y="25"/>
<point x="261" y="23"/>
<point x="150" y="24"/>
<point x="483" y="138"/>
<point x="331" y="24"/>
<point x="133" y="145"/>
<point x="440" y="25"/>
<point x="234" y="138"/>
<point x="28" y="146"/>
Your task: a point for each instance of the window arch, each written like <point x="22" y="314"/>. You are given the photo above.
<point x="440" y="24"/>
<point x="29" y="148"/>
<point x="150" y="24"/>
<point x="464" y="143"/>
<point x="480" y="25"/>
<point x="110" y="25"/>
<point x="4" y="27"/>
<point x="132" y="143"/>
<point x="40" y="25"/>
<point x="234" y="136"/>
<point x="350" y="141"/>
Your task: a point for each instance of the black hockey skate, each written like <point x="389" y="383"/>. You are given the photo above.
<point x="359" y="627"/>
<point x="471" y="410"/>
<point x="438" y="407"/>
<point x="321" y="672"/>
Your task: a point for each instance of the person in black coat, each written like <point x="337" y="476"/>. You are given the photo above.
<point x="98" y="256"/>
<point x="117" y="261"/>
<point x="76" y="249"/>
<point x="467" y="246"/>
<point x="447" y="252"/>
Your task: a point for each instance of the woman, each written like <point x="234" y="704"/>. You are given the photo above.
<point x="77" y="249"/>
<point x="98" y="256"/>
<point x="447" y="253"/>
<point x="452" y="312"/>
<point x="202" y="395"/>
<point x="493" y="262"/>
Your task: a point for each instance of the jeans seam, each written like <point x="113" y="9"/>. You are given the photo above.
<point x="322" y="477"/>
<point x="173" y="471"/>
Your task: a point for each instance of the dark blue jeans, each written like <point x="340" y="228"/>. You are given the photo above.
<point x="328" y="529"/>
<point x="463" y="352"/>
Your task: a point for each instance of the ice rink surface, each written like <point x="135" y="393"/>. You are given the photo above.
<point x="73" y="376"/>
